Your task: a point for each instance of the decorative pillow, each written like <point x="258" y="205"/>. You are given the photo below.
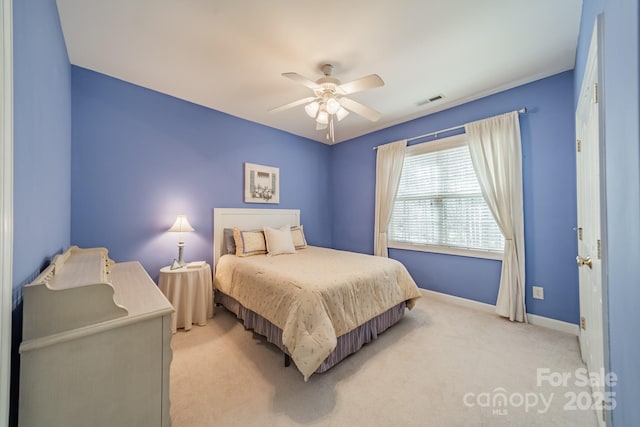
<point x="279" y="241"/>
<point x="249" y="242"/>
<point x="229" y="242"/>
<point x="297" y="234"/>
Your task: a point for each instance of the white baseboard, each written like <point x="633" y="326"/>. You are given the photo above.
<point x="534" y="319"/>
<point x="558" y="325"/>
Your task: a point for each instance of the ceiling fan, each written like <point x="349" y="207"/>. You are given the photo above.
<point x="329" y="100"/>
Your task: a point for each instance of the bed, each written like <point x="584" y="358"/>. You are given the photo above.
<point x="317" y="305"/>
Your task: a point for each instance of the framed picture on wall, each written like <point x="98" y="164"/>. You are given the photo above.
<point x="261" y="184"/>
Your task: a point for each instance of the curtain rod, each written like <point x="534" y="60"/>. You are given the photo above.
<point x="521" y="111"/>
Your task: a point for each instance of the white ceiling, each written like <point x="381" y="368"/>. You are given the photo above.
<point x="229" y="54"/>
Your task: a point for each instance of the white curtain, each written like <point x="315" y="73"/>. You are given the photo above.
<point x="496" y="154"/>
<point x="389" y="162"/>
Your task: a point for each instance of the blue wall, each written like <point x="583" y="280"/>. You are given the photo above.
<point x="42" y="154"/>
<point x="140" y="158"/>
<point x="620" y="95"/>
<point x="42" y="137"/>
<point x="549" y="199"/>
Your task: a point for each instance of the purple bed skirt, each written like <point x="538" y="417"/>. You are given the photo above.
<point x="347" y="344"/>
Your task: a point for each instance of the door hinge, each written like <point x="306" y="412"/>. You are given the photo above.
<point x="578" y="145"/>
<point x="599" y="250"/>
<point x="604" y="416"/>
<point x="580" y="233"/>
<point x="595" y="93"/>
<point x="583" y="323"/>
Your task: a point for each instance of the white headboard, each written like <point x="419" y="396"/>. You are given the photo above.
<point x="247" y="219"/>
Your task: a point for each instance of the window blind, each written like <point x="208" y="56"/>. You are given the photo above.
<point x="439" y="202"/>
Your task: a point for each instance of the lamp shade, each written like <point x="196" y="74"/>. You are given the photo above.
<point x="181" y="225"/>
<point x="312" y="109"/>
<point x="323" y="117"/>
<point x="332" y="106"/>
<point x="342" y="113"/>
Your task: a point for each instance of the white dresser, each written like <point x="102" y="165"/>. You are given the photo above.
<point x="96" y="345"/>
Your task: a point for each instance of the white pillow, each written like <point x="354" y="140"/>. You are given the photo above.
<point x="279" y="240"/>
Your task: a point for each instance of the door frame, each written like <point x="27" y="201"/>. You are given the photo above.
<point x="599" y="27"/>
<point x="6" y="204"/>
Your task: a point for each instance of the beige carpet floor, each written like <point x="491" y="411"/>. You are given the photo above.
<point x="442" y="365"/>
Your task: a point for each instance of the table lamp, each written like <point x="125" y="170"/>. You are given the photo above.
<point x="180" y="226"/>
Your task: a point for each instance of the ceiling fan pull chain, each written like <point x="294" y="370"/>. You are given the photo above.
<point x="331" y="133"/>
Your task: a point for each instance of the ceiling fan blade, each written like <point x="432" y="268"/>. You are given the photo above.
<point x="356" y="107"/>
<point x="302" y="80"/>
<point x="292" y="104"/>
<point x="364" y="83"/>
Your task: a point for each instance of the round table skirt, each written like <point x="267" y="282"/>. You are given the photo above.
<point x="190" y="291"/>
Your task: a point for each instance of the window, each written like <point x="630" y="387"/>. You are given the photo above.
<point x="439" y="206"/>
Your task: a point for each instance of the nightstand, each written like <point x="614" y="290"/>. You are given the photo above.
<point x="190" y="291"/>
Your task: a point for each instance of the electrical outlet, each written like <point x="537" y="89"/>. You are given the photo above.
<point x="538" y="292"/>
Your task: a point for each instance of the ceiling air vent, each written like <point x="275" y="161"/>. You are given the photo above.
<point x="432" y="99"/>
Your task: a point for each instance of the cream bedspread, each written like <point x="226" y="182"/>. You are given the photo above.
<point x="315" y="295"/>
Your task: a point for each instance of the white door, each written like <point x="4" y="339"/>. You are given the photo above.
<point x="589" y="227"/>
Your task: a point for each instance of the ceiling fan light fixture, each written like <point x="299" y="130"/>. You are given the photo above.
<point x="333" y="106"/>
<point x="323" y="117"/>
<point x="330" y="101"/>
<point x="312" y="109"/>
<point x="341" y="113"/>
